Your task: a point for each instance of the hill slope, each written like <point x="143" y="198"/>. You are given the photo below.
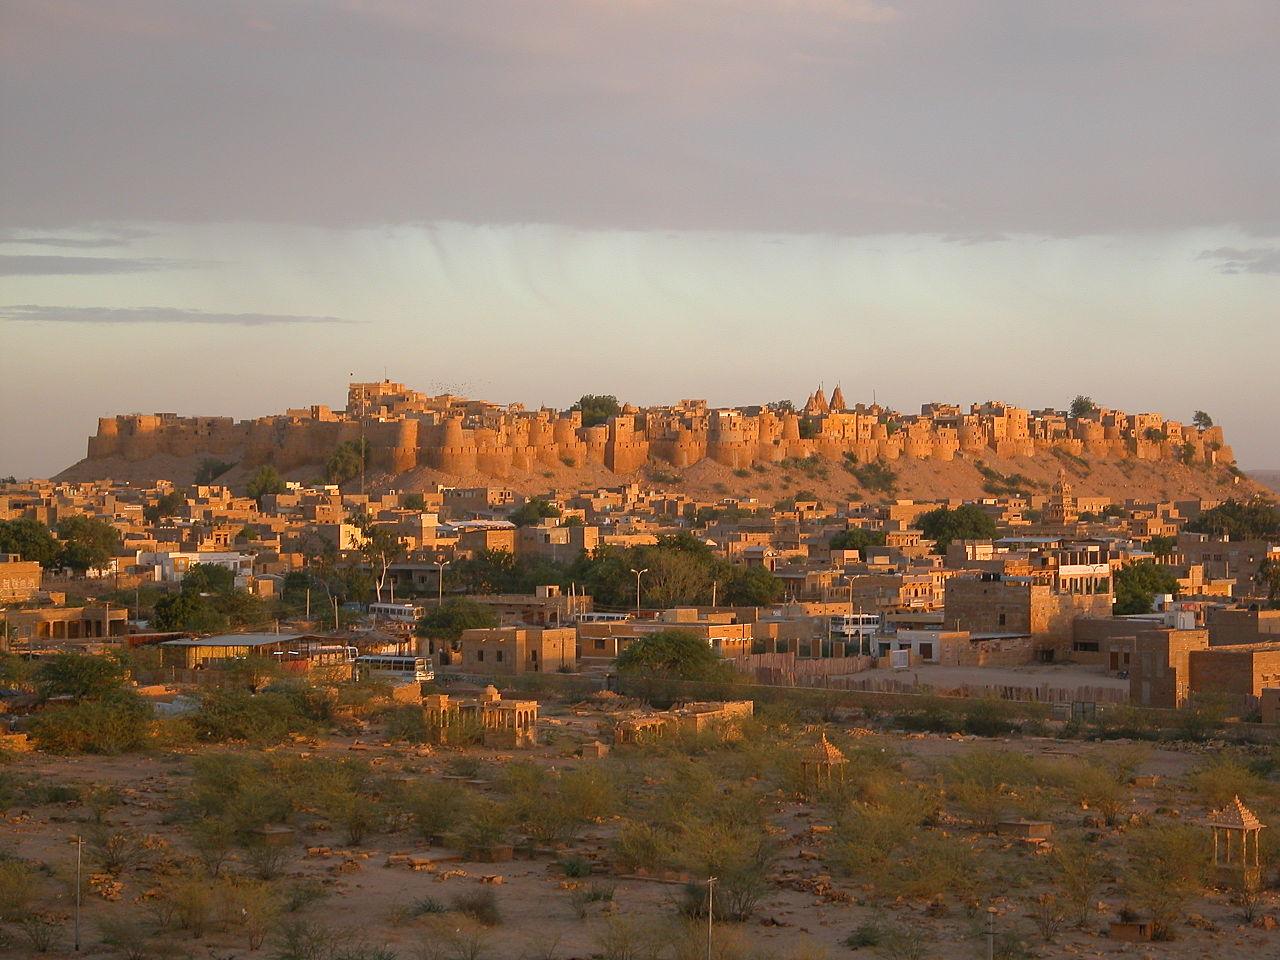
<point x="830" y="481"/>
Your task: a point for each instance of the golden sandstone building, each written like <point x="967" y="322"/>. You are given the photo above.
<point x="406" y="429"/>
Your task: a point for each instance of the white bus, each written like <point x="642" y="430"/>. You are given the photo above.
<point x="397" y="612"/>
<point x="389" y="667"/>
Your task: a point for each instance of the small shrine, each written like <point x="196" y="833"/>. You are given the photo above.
<point x="1236" y="832"/>
<point x="823" y="762"/>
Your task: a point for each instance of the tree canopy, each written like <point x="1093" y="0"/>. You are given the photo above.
<point x="1202" y="420"/>
<point x="265" y="482"/>
<point x="345" y="462"/>
<point x="674" y="655"/>
<point x="1137" y="584"/>
<point x="77" y="675"/>
<point x="167" y="505"/>
<point x="967" y="522"/>
<point x="208" y="602"/>
<point x="449" y="619"/>
<point x="597" y="408"/>
<point x="87" y="542"/>
<point x="30" y="539"/>
<point x="532" y="511"/>
<point x="855" y="538"/>
<point x="1240" y="520"/>
<point x="1083" y="406"/>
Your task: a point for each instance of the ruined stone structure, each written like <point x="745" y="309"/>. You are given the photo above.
<point x="406" y="429"/>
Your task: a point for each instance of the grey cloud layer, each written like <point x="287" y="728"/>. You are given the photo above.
<point x="38" y="265"/>
<point x="964" y="117"/>
<point x="28" y="312"/>
<point x="1237" y="260"/>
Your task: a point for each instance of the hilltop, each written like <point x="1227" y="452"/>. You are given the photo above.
<point x="768" y="453"/>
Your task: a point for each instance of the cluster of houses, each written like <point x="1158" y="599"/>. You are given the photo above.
<point x="1040" y="592"/>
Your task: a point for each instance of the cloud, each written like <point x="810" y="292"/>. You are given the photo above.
<point x="38" y="265"/>
<point x="32" y="313"/>
<point x="115" y="237"/>
<point x="1238" y="260"/>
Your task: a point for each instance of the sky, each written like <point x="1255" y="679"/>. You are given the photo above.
<point x="230" y="208"/>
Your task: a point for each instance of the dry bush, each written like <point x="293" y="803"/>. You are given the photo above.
<point x="626" y="938"/>
<point x="931" y="867"/>
<point x="1167" y="866"/>
<point x="985" y="783"/>
<point x="641" y="846"/>
<point x="42" y="931"/>
<point x="18" y="887"/>
<point x="1100" y="790"/>
<point x="435" y="805"/>
<point x="249" y="908"/>
<point x="1221" y="778"/>
<point x="114" y="850"/>
<point x="1048" y="915"/>
<point x="1080" y="871"/>
<point x="480" y="905"/>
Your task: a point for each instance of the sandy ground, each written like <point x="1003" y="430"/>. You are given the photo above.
<point x="797" y="919"/>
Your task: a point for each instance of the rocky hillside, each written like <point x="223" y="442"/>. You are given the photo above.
<point x="964" y="477"/>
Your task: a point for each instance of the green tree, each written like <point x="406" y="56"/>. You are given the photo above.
<point x="597" y="408"/>
<point x="1137" y="584"/>
<point x="345" y="462"/>
<point x="381" y="548"/>
<point x="750" y="587"/>
<point x="167" y="505"/>
<point x="30" y="539"/>
<point x="78" y="675"/>
<point x="211" y="469"/>
<point x="967" y="522"/>
<point x="1202" y="421"/>
<point x="1162" y="546"/>
<point x="1269" y="579"/>
<point x="187" y="611"/>
<point x="208" y="578"/>
<point x="447" y="621"/>
<point x="532" y="511"/>
<point x="413" y="501"/>
<point x="674" y="654"/>
<point x="1155" y="435"/>
<point x="1255" y="519"/>
<point x="87" y="543"/>
<point x="264" y="483"/>
<point x="1082" y="407"/>
<point x="855" y="538"/>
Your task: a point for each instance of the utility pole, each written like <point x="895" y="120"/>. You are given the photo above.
<point x="335" y="615"/>
<point x="991" y="933"/>
<point x="79" y="860"/>
<point x="308" y="617"/>
<point x="639" y="574"/>
<point x="711" y="911"/>
<point x="714" y="585"/>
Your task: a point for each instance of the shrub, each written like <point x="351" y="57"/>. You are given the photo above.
<point x="115" y="724"/>
<point x="18" y="887"/>
<point x="480" y="905"/>
<point x="115" y="851"/>
<point x="230" y="715"/>
<point x="433" y="806"/>
<point x="865" y="935"/>
<point x="1167" y="866"/>
<point x="1080" y="871"/>
<point x="41" y="931"/>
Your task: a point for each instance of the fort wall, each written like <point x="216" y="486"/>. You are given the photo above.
<point x="405" y="429"/>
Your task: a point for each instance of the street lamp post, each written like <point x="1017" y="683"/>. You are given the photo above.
<point x="639" y="574"/>
<point x="440" y="565"/>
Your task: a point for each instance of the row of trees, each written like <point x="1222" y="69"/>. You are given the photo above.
<point x="679" y="570"/>
<point x="82" y="543"/>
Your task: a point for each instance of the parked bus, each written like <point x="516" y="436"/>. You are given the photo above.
<point x="374" y="666"/>
<point x="397" y="612"/>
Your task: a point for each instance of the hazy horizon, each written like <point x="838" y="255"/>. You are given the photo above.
<point x="226" y="209"/>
